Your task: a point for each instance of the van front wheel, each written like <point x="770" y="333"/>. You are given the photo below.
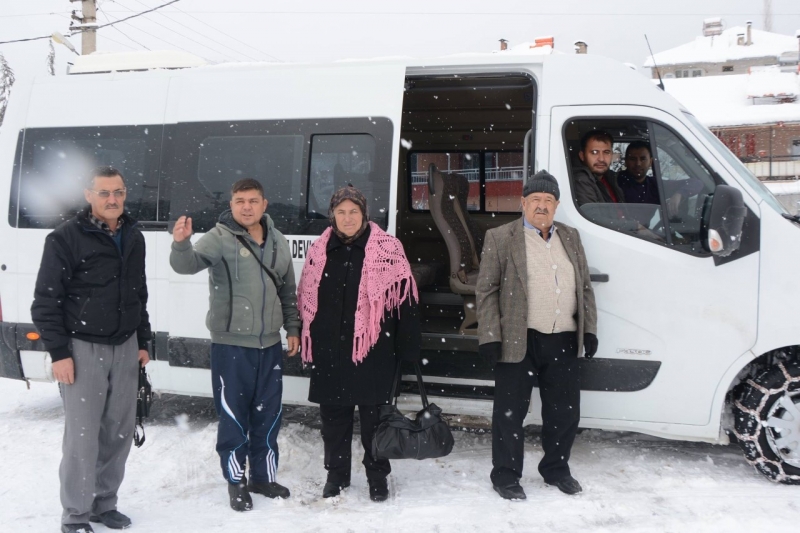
<point x="767" y="413"/>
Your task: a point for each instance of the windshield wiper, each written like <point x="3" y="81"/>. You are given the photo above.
<point x="793" y="218"/>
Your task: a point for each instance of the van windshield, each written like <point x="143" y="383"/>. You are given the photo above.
<point x="737" y="165"/>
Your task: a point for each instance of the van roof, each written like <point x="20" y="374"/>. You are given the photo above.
<point x="561" y="79"/>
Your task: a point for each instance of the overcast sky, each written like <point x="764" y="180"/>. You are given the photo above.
<point x="325" y="30"/>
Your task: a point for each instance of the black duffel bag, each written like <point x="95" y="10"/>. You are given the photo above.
<point x="397" y="437"/>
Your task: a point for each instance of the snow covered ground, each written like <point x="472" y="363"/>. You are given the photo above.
<point x="631" y="482"/>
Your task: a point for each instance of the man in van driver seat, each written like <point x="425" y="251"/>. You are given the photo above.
<point x="252" y="294"/>
<point x="90" y="307"/>
<point x="594" y="182"/>
<point x="536" y="314"/>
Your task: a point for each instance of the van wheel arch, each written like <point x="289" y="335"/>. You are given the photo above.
<point x="765" y="405"/>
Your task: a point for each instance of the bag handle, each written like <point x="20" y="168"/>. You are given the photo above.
<point x="275" y="279"/>
<point x="420" y="384"/>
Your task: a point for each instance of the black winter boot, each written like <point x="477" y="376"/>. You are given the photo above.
<point x="378" y="490"/>
<point x="112" y="519"/>
<point x="567" y="485"/>
<point x="334" y="488"/>
<point x="240" y="496"/>
<point x="270" y="490"/>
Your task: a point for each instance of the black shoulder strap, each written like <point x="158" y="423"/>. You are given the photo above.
<point x="271" y="273"/>
<point x="420" y="384"/>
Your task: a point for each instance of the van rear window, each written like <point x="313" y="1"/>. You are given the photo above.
<point x="55" y="163"/>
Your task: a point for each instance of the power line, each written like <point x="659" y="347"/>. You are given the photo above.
<point x="101" y="10"/>
<point x="96" y="27"/>
<point x="185" y="36"/>
<point x="119" y="42"/>
<point x="197" y="32"/>
<point x="30" y="15"/>
<point x="161" y="39"/>
<point x="483" y="13"/>
<point x="225" y="34"/>
<point x="200" y="33"/>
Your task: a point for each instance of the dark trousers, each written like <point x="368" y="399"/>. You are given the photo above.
<point x="553" y="359"/>
<point x="337" y="436"/>
<point x="247" y="385"/>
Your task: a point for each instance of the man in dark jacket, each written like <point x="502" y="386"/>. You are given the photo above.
<point x="536" y="315"/>
<point x="90" y="307"/>
<point x="596" y="183"/>
<point x="640" y="186"/>
<point x="252" y="294"/>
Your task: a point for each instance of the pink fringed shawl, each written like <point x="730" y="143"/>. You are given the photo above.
<point x="385" y="268"/>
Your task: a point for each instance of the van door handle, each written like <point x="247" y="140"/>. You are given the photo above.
<point x="599" y="278"/>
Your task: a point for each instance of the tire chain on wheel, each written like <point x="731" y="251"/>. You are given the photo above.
<point x="749" y="427"/>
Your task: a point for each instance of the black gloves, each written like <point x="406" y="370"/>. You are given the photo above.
<point x="590" y="344"/>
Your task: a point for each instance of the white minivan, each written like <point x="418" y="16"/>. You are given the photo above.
<point x="694" y="344"/>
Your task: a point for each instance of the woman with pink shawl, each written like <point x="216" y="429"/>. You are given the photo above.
<point x="358" y="304"/>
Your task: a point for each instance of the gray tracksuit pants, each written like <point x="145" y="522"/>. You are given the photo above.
<point x="99" y="418"/>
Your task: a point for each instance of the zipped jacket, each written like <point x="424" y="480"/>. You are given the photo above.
<point x="247" y="306"/>
<point x="90" y="289"/>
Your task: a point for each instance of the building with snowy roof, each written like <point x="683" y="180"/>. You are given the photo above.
<point x="756" y="115"/>
<point x="726" y="52"/>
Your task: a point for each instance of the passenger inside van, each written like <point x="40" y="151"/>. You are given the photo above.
<point x="672" y="183"/>
<point x="594" y="182"/>
<point x="639" y="184"/>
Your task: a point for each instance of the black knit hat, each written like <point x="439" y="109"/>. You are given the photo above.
<point x="542" y="181"/>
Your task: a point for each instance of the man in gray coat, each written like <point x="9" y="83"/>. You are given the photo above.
<point x="536" y="314"/>
<point x="252" y="294"/>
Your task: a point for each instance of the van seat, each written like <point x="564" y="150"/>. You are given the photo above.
<point x="448" y="205"/>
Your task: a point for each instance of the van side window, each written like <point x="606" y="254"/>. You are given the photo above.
<point x="203" y="160"/>
<point x="638" y="177"/>
<point x="503" y="189"/>
<point x="339" y="160"/>
<point x="54" y="165"/>
<point x="467" y="164"/>
<point x="499" y="177"/>
<point x="687" y="183"/>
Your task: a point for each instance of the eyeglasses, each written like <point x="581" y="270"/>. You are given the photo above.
<point x="119" y="193"/>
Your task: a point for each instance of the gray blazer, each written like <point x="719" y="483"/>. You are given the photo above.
<point x="502" y="290"/>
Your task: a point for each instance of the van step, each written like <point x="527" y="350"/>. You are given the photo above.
<point x="454" y="342"/>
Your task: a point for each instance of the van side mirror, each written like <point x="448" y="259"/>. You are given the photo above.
<point x="723" y="220"/>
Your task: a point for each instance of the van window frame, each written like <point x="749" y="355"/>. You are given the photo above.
<point x="380" y="128"/>
<point x="656" y="172"/>
<point x="150" y="186"/>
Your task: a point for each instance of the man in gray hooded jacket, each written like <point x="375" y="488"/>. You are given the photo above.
<point x="252" y="294"/>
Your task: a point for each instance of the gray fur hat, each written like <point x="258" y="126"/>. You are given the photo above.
<point x="542" y="181"/>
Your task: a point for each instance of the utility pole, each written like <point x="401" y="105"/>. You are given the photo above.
<point x="767" y="15"/>
<point x="87" y="23"/>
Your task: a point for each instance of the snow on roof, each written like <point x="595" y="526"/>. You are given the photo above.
<point x="783" y="187"/>
<point x="764" y="82"/>
<point x="139" y="60"/>
<point x="724" y="47"/>
<point x="723" y="101"/>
